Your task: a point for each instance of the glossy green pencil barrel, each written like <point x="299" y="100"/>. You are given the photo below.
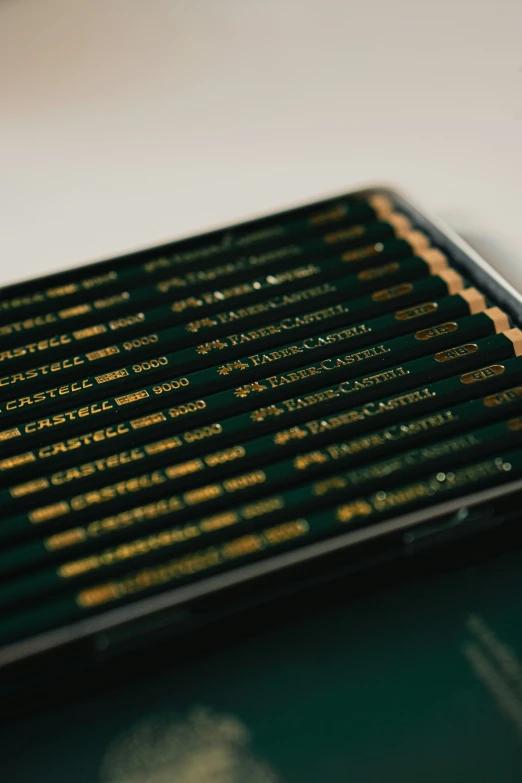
<point x="21" y="353"/>
<point x="463" y="359"/>
<point x="457" y="420"/>
<point x="70" y="287"/>
<point x="343" y="367"/>
<point x="364" y="510"/>
<point x="426" y="321"/>
<point x="307" y="263"/>
<point x="165" y="367"/>
<point x="136" y="414"/>
<point x="445" y="455"/>
<point x="74" y="366"/>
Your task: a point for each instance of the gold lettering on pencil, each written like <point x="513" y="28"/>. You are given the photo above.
<point x="92" y="282"/>
<point x="259" y="235"/>
<point x="72" y="312"/>
<point x="483" y="374"/>
<point x="16" y="461"/>
<point x="304" y="461"/>
<point x="183" y="304"/>
<point x="202" y="323"/>
<point x="147" y="421"/>
<point x="436" y="331"/>
<point x="157" y="263"/>
<point x="335" y="213"/>
<point x="9" y="434"/>
<point x="269" y="305"/>
<point x="90" y="331"/>
<point x="78" y="567"/>
<point x="188" y="407"/>
<point x="327" y="365"/>
<point x="27" y="489"/>
<point x="65" y="539"/>
<point x="500" y="398"/>
<point x="242" y="546"/>
<point x="41" y="345"/>
<point x="66" y="417"/>
<point x="416" y="311"/>
<point x="102" y="353"/>
<point x="63" y="290"/>
<point x="184" y="469"/>
<point x="134" y="397"/>
<point x="49" y="512"/>
<point x="14" y="353"/>
<point x="294" y="433"/>
<point x="261" y="414"/>
<point x="94" y="596"/>
<point x="262" y="507"/>
<point x="244" y="481"/>
<point x="348" y="511"/>
<point x="378" y="271"/>
<point x="286" y="531"/>
<point x="172" y="282"/>
<point x="382" y="501"/>
<point x="456" y="353"/>
<point x="226" y="455"/>
<point x="401" y="496"/>
<point x="113" y="491"/>
<point x="391" y="434"/>
<point x="89" y="468"/>
<point x="392" y="293"/>
<point x="344" y="234"/>
<point x="203" y="494"/>
<point x="110" y="301"/>
<point x="293" y="274"/>
<point x="151" y="577"/>
<point x="346" y="387"/>
<point x="21" y="301"/>
<point x="215" y="345"/>
<point x="244" y="391"/>
<point x="126" y="551"/>
<point x="112" y="376"/>
<point x="43" y="396"/>
<point x="225" y="369"/>
<point x="133" y="516"/>
<point x="246" y="262"/>
<point x="44" y="369"/>
<point x="219" y="521"/>
<point x="188" y="565"/>
<point x="364" y="252"/>
<point x="190" y="436"/>
<point x="126" y="320"/>
<point x="359" y="414"/>
<point x="28" y="323"/>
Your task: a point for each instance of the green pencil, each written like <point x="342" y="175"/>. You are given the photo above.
<point x="137" y="269"/>
<point x="364" y="510"/>
<point x="74" y="366"/>
<point x="345" y="366"/>
<point x="458" y="420"/>
<point x="307" y="258"/>
<point x="90" y="444"/>
<point x="101" y="564"/>
<point x="463" y="360"/>
<point x="135" y="324"/>
<point x="165" y="366"/>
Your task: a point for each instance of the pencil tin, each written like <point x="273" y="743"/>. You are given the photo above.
<point x="402" y="530"/>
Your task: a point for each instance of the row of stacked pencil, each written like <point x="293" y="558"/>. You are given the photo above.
<point x="178" y="413"/>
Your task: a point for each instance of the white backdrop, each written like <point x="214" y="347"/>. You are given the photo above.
<point x="125" y="123"/>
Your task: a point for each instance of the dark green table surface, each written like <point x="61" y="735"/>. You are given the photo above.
<point x="421" y="681"/>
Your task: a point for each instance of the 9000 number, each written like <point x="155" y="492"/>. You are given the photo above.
<point x="151" y="364"/>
